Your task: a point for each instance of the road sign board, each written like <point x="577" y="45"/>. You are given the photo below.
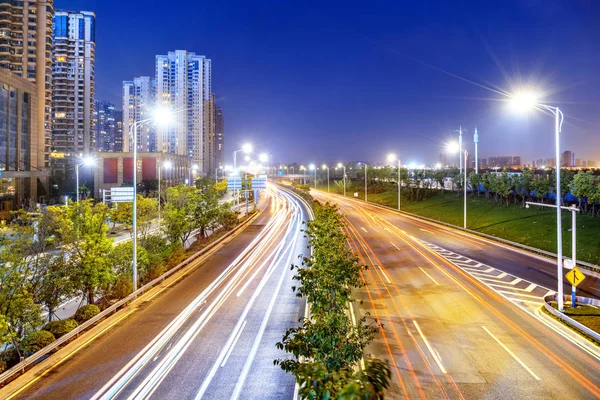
<point x="259" y="183"/>
<point x="575" y="276"/>
<point x="234" y="183"/>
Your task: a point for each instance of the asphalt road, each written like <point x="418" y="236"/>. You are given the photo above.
<point x="212" y="335"/>
<point x="459" y="317"/>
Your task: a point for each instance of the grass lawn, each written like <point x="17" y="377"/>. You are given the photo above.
<point x="584" y="314"/>
<point x="535" y="226"/>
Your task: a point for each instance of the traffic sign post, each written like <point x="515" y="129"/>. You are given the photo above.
<point x="575" y="277"/>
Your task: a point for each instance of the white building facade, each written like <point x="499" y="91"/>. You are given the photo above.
<point x="139" y="98"/>
<point x="183" y="83"/>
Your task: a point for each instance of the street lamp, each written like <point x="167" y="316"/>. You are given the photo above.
<point x="324" y="166"/>
<point x="340" y="165"/>
<point x="454" y="147"/>
<point x="391" y="158"/>
<point x="525" y="101"/>
<point x="314" y="169"/>
<point x="86" y="161"/>
<point x="162" y="116"/>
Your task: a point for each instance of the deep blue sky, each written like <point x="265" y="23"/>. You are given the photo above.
<point x="326" y="81"/>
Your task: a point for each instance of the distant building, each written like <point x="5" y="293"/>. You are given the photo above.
<point x="578" y="162"/>
<point x="116" y="170"/>
<point x="504" y="161"/>
<point x="118" y="131"/>
<point x="183" y="82"/>
<point x="567" y="159"/>
<point x="219" y="137"/>
<point x="139" y="99"/>
<point x="104" y="126"/>
<point x="21" y="160"/>
<point x="73" y="76"/>
<point x="31" y="60"/>
<point x="591" y="164"/>
<point x="209" y="158"/>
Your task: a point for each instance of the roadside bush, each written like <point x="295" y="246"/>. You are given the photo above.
<point x="9" y="358"/>
<point x="60" y="328"/>
<point x="123" y="286"/>
<point x="36" y="341"/>
<point x="86" y="312"/>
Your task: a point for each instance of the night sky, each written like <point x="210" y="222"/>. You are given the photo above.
<point x="329" y="81"/>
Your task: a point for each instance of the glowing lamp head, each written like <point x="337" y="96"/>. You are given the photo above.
<point x="264" y="157"/>
<point x="324" y="166"/>
<point x="167" y="164"/>
<point x="163" y="116"/>
<point x="453" y="147"/>
<point x="247" y="148"/>
<point x="340" y="165"/>
<point x="88" y="161"/>
<point x="391" y="157"/>
<point x="311" y="166"/>
<point x="195" y="167"/>
<point x="523" y="101"/>
<point x="438" y="166"/>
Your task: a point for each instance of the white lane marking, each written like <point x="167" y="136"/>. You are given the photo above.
<point x="263" y="326"/>
<point x="429" y="276"/>
<point x="511" y="353"/>
<point x="392" y="243"/>
<point x="425" y="230"/>
<point x="363" y="229"/>
<point x="384" y="274"/>
<point x="433" y="353"/>
<point x="502" y="275"/>
<point x="237" y="337"/>
<point x="375" y="229"/>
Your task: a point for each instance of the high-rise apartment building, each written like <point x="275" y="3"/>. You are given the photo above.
<point x="104" y="126"/>
<point x="567" y="159"/>
<point x="25" y="52"/>
<point x="209" y="141"/>
<point x="183" y="83"/>
<point x="118" y="131"/>
<point x="219" y="137"/>
<point x="139" y="98"/>
<point x="504" y="161"/>
<point x="73" y="63"/>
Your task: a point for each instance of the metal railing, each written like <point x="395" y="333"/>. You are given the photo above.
<point x="40" y="354"/>
<point x="569" y="320"/>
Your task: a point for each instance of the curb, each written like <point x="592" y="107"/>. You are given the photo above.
<point x="569" y="320"/>
<point x="53" y="355"/>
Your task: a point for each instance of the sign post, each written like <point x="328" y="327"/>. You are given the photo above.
<point x="575" y="277"/>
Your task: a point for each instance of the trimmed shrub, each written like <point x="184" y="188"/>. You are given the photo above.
<point x="10" y="357"/>
<point x="123" y="287"/>
<point x="35" y="341"/>
<point x="60" y="328"/>
<point x="86" y="312"/>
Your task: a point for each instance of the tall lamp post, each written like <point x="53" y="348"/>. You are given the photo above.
<point x="87" y="161"/>
<point x="453" y="147"/>
<point x="313" y="168"/>
<point x="303" y="169"/>
<point x="246" y="148"/>
<point x="391" y="158"/>
<point x="526" y="101"/>
<point x="340" y="165"/>
<point x="324" y="166"/>
<point x="163" y="116"/>
<point x="365" y="182"/>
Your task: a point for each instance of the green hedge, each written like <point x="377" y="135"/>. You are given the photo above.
<point x="36" y="341"/>
<point x="60" y="328"/>
<point x="86" y="312"/>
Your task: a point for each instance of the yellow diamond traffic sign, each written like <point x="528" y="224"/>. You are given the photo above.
<point x="575" y="276"/>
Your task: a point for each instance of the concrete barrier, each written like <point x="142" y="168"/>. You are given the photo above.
<point x="569" y="320"/>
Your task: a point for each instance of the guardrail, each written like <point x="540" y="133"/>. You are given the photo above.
<point x="42" y="353"/>
<point x="569" y="320"/>
<point x="585" y="264"/>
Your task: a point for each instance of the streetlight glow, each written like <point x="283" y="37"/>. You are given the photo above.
<point x="340" y="165"/>
<point x="311" y="166"/>
<point x="453" y="147"/>
<point x="88" y="161"/>
<point x="391" y="157"/>
<point x="264" y="157"/>
<point x="247" y="148"/>
<point x="523" y="101"/>
<point x="163" y="116"/>
<point x="167" y="164"/>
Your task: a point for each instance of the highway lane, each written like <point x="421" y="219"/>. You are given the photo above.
<point x="212" y="335"/>
<point x="456" y="321"/>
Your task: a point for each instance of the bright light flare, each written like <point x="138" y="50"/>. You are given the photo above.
<point x="167" y="164"/>
<point x="88" y="161"/>
<point x="438" y="166"/>
<point x="163" y="116"/>
<point x="247" y="148"/>
<point x="311" y="166"/>
<point x="453" y="147"/>
<point x="324" y="166"/>
<point x="264" y="157"/>
<point x="340" y="165"/>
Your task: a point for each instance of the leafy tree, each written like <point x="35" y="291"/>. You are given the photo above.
<point x="179" y="211"/>
<point x="90" y="250"/>
<point x="584" y="186"/>
<point x="56" y="284"/>
<point x="541" y="186"/>
<point x="474" y="181"/>
<point x="147" y="212"/>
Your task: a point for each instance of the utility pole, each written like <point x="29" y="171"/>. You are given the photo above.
<point x="476" y="140"/>
<point x="460" y="153"/>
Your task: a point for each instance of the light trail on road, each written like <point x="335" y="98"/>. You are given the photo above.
<point x="445" y="287"/>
